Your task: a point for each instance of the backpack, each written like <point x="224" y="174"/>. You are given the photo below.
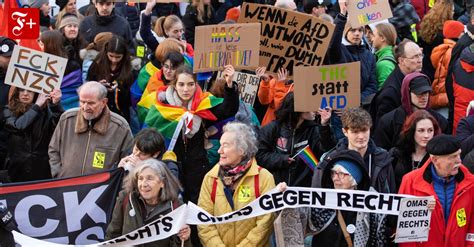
<point x="256" y="183"/>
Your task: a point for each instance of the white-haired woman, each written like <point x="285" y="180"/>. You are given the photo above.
<point x="150" y="192"/>
<point x="236" y="181"/>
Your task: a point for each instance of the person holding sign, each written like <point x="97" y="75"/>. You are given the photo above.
<point x="236" y="181"/>
<point x="445" y="177"/>
<point x="283" y="138"/>
<point x="30" y="120"/>
<point x="198" y="13"/>
<point x="150" y="192"/>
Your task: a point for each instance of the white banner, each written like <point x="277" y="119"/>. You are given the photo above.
<point x="414" y="220"/>
<point x="272" y="201"/>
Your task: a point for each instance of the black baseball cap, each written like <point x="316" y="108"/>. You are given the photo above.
<point x="420" y="85"/>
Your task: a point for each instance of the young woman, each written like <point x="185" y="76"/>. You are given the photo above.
<point x="198" y="13"/>
<point x="383" y="41"/>
<point x="410" y="152"/>
<point x="189" y="110"/>
<point x="113" y="69"/>
<point x="30" y="120"/>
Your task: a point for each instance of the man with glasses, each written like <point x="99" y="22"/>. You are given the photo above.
<point x="409" y="57"/>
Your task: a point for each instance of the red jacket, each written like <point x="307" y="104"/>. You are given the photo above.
<point x="456" y="231"/>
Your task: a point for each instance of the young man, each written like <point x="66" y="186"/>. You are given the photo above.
<point x="356" y="124"/>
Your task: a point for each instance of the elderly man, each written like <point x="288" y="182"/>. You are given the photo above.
<point x="444" y="177"/>
<point x="90" y="138"/>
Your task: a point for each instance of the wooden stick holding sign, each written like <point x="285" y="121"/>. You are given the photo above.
<point x="34" y="70"/>
<point x="288" y="38"/>
<point x="336" y="86"/>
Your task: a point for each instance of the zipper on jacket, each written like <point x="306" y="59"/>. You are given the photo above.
<point x="445" y="203"/>
<point x="87" y="147"/>
<point x="291" y="153"/>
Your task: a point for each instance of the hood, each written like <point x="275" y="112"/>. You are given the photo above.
<point x="405" y="91"/>
<point x="351" y="155"/>
<point x="85" y="54"/>
<point x="467" y="59"/>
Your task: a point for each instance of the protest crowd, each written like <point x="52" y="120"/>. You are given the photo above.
<point x="149" y="92"/>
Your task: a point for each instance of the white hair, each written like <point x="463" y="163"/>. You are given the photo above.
<point x="344" y="170"/>
<point x="245" y="140"/>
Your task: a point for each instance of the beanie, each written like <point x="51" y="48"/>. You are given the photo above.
<point x="37" y="3"/>
<point x="67" y="20"/>
<point x="443" y="145"/>
<point x="352" y="168"/>
<point x="452" y="29"/>
<point x="61" y="3"/>
<point x="233" y="14"/>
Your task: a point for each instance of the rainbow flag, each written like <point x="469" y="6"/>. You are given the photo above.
<point x="308" y="157"/>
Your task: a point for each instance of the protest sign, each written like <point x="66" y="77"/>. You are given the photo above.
<point x="336" y="86"/>
<point x="67" y="211"/>
<point x="364" y="12"/>
<point x="248" y="86"/>
<point x="216" y="46"/>
<point x="288" y="38"/>
<point x="414" y="220"/>
<point x="34" y="70"/>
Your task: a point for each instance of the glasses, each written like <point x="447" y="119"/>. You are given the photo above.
<point x="417" y="56"/>
<point x="340" y="175"/>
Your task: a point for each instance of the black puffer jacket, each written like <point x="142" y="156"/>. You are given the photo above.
<point x="28" y="141"/>
<point x="377" y="163"/>
<point x="465" y="133"/>
<point x="278" y="142"/>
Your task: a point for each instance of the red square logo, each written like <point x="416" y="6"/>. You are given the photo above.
<point x="23" y="23"/>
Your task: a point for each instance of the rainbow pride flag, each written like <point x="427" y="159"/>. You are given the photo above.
<point x="308" y="157"/>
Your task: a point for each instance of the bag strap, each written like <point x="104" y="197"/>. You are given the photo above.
<point x="214" y="191"/>
<point x="343" y="226"/>
<point x="256" y="184"/>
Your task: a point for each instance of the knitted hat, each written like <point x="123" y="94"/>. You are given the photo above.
<point x="452" y="29"/>
<point x="6" y="46"/>
<point x="233" y="14"/>
<point x="443" y="145"/>
<point x="37" y="3"/>
<point x="352" y="168"/>
<point x="61" y="3"/>
<point x="68" y="19"/>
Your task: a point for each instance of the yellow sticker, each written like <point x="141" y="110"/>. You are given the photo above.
<point x="99" y="160"/>
<point x="461" y="217"/>
<point x="431" y="3"/>
<point x="140" y="51"/>
<point x="244" y="193"/>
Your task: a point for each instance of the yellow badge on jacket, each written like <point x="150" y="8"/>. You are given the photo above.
<point x="244" y="193"/>
<point x="461" y="217"/>
<point x="99" y="160"/>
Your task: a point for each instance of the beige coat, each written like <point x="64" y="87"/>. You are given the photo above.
<point x="75" y="149"/>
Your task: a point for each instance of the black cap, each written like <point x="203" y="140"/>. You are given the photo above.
<point x="420" y="85"/>
<point x="6" y="46"/>
<point x="443" y="145"/>
<point x="61" y="3"/>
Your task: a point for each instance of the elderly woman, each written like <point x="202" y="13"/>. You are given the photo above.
<point x="230" y="186"/>
<point x="150" y="192"/>
<point x="338" y="227"/>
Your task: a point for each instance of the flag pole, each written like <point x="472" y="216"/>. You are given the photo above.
<point x="300" y="152"/>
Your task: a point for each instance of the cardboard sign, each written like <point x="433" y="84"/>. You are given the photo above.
<point x="336" y="86"/>
<point x="364" y="12"/>
<point x="248" y="86"/>
<point x="219" y="45"/>
<point x="414" y="220"/>
<point x="288" y="38"/>
<point x="34" y="70"/>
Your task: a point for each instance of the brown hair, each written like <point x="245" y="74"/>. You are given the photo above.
<point x="217" y="88"/>
<point x="387" y="30"/>
<point x="356" y="119"/>
<point x="15" y="106"/>
<point x="202" y="9"/>
<point x="168" y="45"/>
<point x="99" y="41"/>
<point x="165" y="23"/>
<point x="399" y="50"/>
<point x="407" y="134"/>
<point x="53" y="41"/>
<point x="183" y="69"/>
<point x="434" y="20"/>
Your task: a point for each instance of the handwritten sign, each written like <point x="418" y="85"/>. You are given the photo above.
<point x="248" y="86"/>
<point x="288" y="38"/>
<point x="35" y="71"/>
<point x="336" y="86"/>
<point x="220" y="45"/>
<point x="414" y="220"/>
<point x="364" y="12"/>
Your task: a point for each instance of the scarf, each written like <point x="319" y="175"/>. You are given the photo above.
<point x="229" y="174"/>
<point x="104" y="20"/>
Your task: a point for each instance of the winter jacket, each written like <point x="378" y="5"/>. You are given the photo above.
<point x="427" y="66"/>
<point x="94" y="24"/>
<point x="371" y="229"/>
<point x="82" y="147"/>
<point x="390" y="125"/>
<point x="377" y="163"/>
<point x="440" y="59"/>
<point x="465" y="134"/>
<point x="460" y="224"/>
<point x="131" y="13"/>
<point x="344" y="52"/>
<point x="385" y="64"/>
<point x="191" y="21"/>
<point x="421" y="7"/>
<point x="278" y="141"/>
<point x="272" y="93"/>
<point x="463" y="86"/>
<point x="251" y="232"/>
<point x="123" y="222"/>
<point x="403" y="163"/>
<point x="4" y="89"/>
<point x="404" y="16"/>
<point x="28" y="139"/>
